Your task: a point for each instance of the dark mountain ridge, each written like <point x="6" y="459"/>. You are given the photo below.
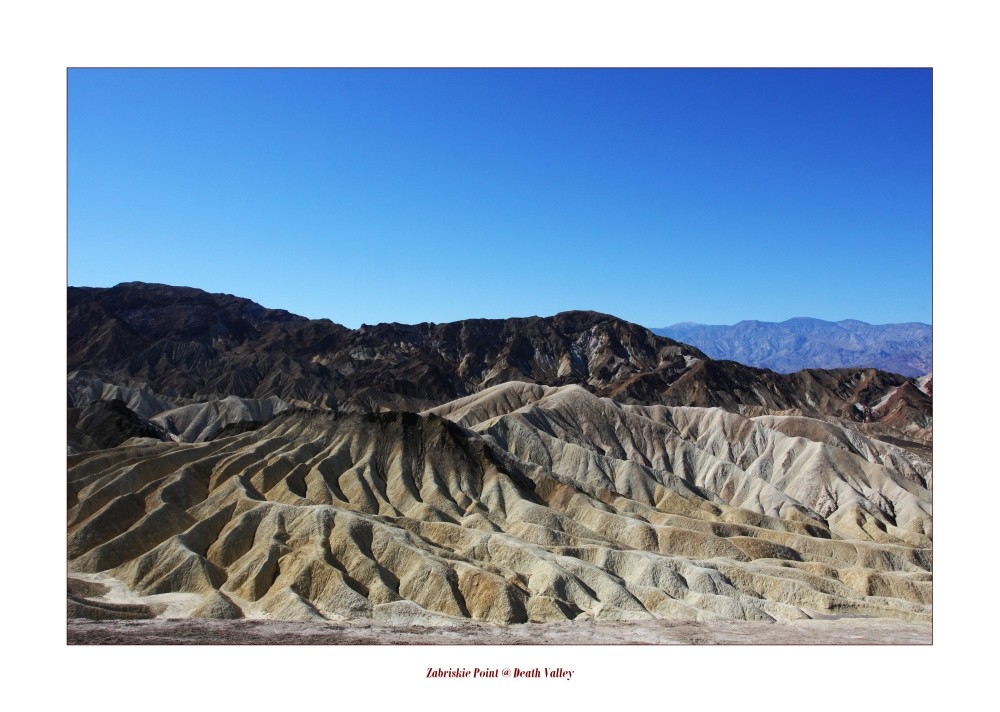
<point x="188" y="345"/>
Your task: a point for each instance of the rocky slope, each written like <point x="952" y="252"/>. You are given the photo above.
<point x="229" y="461"/>
<point x="813" y="343"/>
<point x="523" y="503"/>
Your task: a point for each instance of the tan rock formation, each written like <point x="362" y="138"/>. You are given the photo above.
<point x="519" y="503"/>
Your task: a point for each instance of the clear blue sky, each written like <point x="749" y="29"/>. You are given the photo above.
<point x="434" y="195"/>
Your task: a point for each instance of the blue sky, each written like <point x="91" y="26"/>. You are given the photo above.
<point x="434" y="195"/>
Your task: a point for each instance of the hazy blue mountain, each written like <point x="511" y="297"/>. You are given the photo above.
<point x="803" y="342"/>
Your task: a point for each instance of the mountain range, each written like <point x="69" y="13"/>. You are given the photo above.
<point x="802" y="342"/>
<point x="227" y="460"/>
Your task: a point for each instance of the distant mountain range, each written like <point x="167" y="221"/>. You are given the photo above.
<point x="799" y="343"/>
